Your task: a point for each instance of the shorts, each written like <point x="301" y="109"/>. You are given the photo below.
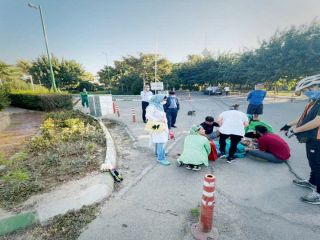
<point x="255" y="109"/>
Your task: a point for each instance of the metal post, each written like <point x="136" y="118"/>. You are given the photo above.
<point x="53" y="81"/>
<point x="31" y="80"/>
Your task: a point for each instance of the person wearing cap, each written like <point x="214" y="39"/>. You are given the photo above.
<point x="255" y="99"/>
<point x="196" y="149"/>
<point x="146" y="95"/>
<point x="171" y="108"/>
<point x="307" y="130"/>
<point x="232" y="124"/>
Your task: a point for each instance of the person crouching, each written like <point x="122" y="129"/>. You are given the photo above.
<point x="196" y="149"/>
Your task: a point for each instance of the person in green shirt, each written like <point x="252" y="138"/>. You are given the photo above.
<point x="84" y="98"/>
<point x="196" y="149"/>
<point x="253" y="122"/>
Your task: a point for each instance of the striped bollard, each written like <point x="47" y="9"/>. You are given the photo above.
<point x="133" y="115"/>
<point x="117" y="110"/>
<point x="204" y="229"/>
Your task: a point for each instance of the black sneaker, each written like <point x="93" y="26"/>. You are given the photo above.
<point x="174" y="126"/>
<point x="231" y="159"/>
<point x="189" y="167"/>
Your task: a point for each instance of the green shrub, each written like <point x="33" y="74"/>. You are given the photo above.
<point x="42" y="102"/>
<point x="4" y="99"/>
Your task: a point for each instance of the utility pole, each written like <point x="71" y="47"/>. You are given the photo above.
<point x="53" y="81"/>
<point x="108" y="71"/>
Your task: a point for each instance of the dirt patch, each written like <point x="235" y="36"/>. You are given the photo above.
<point x="22" y="127"/>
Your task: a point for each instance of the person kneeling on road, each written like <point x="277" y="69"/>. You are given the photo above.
<point x="208" y="125"/>
<point x="254" y="121"/>
<point x="271" y="147"/>
<point x="307" y="130"/>
<point x="196" y="149"/>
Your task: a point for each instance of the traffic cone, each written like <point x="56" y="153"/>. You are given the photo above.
<point x="204" y="229"/>
<point x="133" y="115"/>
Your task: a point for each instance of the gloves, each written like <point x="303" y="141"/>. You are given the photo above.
<point x="285" y="128"/>
<point x="290" y="133"/>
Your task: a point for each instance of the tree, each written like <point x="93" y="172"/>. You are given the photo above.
<point x="68" y="73"/>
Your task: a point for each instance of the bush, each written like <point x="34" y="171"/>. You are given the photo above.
<point x="42" y="102"/>
<point x="4" y="99"/>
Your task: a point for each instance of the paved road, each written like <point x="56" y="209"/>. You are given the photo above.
<point x="255" y="199"/>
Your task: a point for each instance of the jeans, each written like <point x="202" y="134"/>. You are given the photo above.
<point x="313" y="155"/>
<point x="266" y="156"/>
<point x="144" y="106"/>
<point x="160" y="151"/>
<point x="235" y="139"/>
<point x="172" y="116"/>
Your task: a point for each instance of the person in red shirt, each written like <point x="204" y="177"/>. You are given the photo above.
<point x="271" y="147"/>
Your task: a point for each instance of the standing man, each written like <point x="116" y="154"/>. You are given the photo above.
<point x="307" y="130"/>
<point x="84" y="98"/>
<point x="232" y="124"/>
<point x="255" y="99"/>
<point x="146" y="95"/>
<point x="171" y="108"/>
<point x="227" y="90"/>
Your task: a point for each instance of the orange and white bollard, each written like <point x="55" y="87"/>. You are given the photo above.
<point x="133" y="115"/>
<point x="204" y="229"/>
<point x="189" y="96"/>
<point x="117" y="110"/>
<point x="114" y="107"/>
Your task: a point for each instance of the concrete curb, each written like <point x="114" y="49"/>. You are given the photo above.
<point x="86" y="195"/>
<point x="111" y="154"/>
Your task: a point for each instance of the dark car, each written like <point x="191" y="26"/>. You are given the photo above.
<point x="213" y="91"/>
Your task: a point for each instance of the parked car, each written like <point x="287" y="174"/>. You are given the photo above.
<point x="213" y="91"/>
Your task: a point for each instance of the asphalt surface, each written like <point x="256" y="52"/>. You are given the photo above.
<point x="254" y="200"/>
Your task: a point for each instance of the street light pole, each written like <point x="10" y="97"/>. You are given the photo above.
<point x="53" y="81"/>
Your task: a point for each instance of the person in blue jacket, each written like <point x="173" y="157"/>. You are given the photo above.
<point x="255" y="99"/>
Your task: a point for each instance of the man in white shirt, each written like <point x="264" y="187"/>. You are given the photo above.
<point x="232" y="124"/>
<point x="227" y="90"/>
<point x="146" y="94"/>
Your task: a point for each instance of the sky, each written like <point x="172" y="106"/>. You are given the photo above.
<point x="97" y="32"/>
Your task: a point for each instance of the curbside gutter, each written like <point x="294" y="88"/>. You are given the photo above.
<point x="93" y="190"/>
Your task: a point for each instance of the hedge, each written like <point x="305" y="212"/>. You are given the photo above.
<point x="4" y="98"/>
<point x="42" y="102"/>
